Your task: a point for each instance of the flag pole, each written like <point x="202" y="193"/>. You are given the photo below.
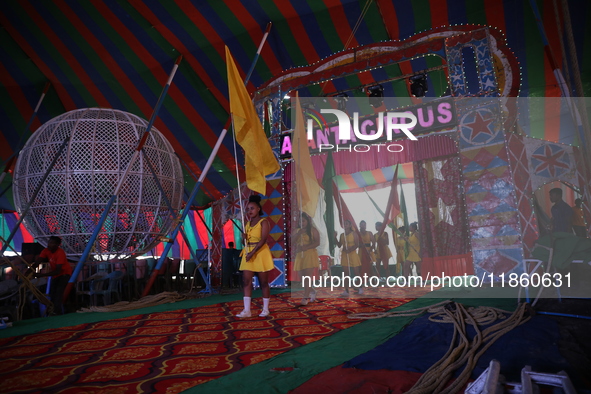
<point x="242" y="220"/>
<point x="248" y="74"/>
<point x="107" y="208"/>
<point x="259" y="49"/>
<point x="390" y="203"/>
<point x="200" y="181"/>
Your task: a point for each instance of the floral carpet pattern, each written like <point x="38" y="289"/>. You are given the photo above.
<point x="169" y="352"/>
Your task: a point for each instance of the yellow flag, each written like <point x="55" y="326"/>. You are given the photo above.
<point x="308" y="188"/>
<point x="259" y="157"/>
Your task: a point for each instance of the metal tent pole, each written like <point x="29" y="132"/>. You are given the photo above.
<point x="34" y="195"/>
<point x="173" y="214"/>
<point x="203" y="172"/>
<point x="103" y="217"/>
<point x="186" y="209"/>
<point x="19" y="146"/>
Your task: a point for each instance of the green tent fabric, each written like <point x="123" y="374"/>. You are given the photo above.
<point x="567" y="247"/>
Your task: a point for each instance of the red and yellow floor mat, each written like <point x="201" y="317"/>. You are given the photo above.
<point x="169" y="352"/>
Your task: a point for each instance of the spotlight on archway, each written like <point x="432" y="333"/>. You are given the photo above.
<point x="341" y="100"/>
<point x="418" y="85"/>
<point x="376" y="95"/>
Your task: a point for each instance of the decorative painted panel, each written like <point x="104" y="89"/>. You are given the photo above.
<point x="523" y="191"/>
<point x="491" y="204"/>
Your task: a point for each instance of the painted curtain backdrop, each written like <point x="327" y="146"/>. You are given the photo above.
<point x="199" y="237"/>
<point x="441" y="207"/>
<point x="196" y="233"/>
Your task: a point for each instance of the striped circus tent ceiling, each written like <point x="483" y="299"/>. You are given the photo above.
<point x="118" y="54"/>
<point x="369" y="180"/>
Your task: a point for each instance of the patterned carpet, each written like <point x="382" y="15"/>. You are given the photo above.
<point x="170" y="352"/>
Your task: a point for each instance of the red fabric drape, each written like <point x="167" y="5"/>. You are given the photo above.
<point x="351" y="162"/>
<point x="448" y="265"/>
<point x="443" y="223"/>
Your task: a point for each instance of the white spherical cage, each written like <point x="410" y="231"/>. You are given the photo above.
<point x="85" y="176"/>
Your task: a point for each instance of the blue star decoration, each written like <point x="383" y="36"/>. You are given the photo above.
<point x="550" y="161"/>
<point x="478" y="127"/>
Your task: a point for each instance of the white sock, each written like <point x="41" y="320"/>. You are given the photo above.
<point x="266" y="304"/>
<point x="246" y="301"/>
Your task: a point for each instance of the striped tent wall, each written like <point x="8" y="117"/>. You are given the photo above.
<point x="119" y="54"/>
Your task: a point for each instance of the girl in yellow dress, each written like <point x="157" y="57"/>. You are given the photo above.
<point x="350" y="261"/>
<point x="306" y="241"/>
<point x="414" y="251"/>
<point x="367" y="240"/>
<point x="256" y="256"/>
<point x="383" y="249"/>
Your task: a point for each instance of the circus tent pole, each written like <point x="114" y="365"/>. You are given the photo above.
<point x="204" y="223"/>
<point x="186" y="210"/>
<point x="200" y="181"/>
<point x="204" y="189"/>
<point x="259" y="49"/>
<point x="193" y="255"/>
<point x="187" y="197"/>
<point x="173" y="213"/>
<point x="103" y="217"/>
<point x="34" y="195"/>
<point x="583" y="132"/>
<point x="14" y="156"/>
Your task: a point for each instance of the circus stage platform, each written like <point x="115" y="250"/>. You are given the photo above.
<point x="197" y="346"/>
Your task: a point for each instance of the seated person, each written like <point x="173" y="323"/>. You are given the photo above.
<point x="60" y="271"/>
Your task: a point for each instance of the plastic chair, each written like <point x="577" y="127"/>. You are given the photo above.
<point x="129" y="280"/>
<point x="161" y="283"/>
<point x="83" y="284"/>
<point x="113" y="283"/>
<point x="172" y="275"/>
<point x="189" y="268"/>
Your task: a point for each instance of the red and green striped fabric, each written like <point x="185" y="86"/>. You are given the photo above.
<point x="119" y="53"/>
<point x="7" y="223"/>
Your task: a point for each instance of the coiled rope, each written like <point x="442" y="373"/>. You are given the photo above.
<point x="26" y="285"/>
<point x="395" y="313"/>
<point x="144" y="302"/>
<point x="462" y="351"/>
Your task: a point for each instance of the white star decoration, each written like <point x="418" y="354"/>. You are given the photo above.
<point x="434" y="170"/>
<point x="489" y="83"/>
<point x="442" y="212"/>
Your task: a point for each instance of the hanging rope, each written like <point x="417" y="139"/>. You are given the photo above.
<point x="358" y="23"/>
<point x="462" y="351"/>
<point x="352" y="35"/>
<point x="144" y="302"/>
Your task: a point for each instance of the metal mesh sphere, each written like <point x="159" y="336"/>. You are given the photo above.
<point x="72" y="199"/>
